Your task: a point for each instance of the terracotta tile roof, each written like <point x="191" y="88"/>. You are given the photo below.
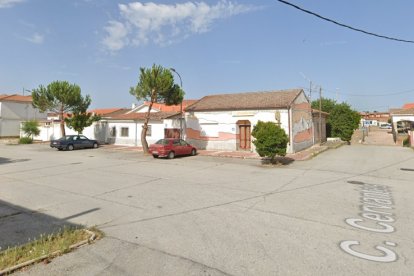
<point x="171" y="108"/>
<point x="15" y="98"/>
<point x="157" y="116"/>
<point x="408" y="106"/>
<point x="245" y="101"/>
<point x="408" y="111"/>
<point x="105" y="111"/>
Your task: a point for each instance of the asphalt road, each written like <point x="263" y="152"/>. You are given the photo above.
<point x="348" y="211"/>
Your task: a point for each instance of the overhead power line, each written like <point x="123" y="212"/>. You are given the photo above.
<point x="343" y="25"/>
<point x="374" y="95"/>
<point x="365" y="95"/>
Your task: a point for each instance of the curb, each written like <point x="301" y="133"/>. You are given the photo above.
<point x="53" y="254"/>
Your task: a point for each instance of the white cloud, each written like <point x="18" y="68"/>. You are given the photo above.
<point x="162" y="24"/>
<point x="117" y="36"/>
<point x="36" y="38"/>
<point x="9" y="3"/>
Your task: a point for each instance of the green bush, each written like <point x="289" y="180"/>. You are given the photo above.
<point x="25" y="140"/>
<point x="31" y="128"/>
<point x="406" y="142"/>
<point x="271" y="139"/>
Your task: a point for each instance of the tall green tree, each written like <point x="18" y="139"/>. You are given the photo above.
<point x="59" y="97"/>
<point x="80" y="118"/>
<point x="155" y="85"/>
<point x="327" y="104"/>
<point x="270" y="139"/>
<point x="344" y="121"/>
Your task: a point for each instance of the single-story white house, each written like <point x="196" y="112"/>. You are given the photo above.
<point x="216" y="122"/>
<point x="404" y="117"/>
<point x="15" y="109"/>
<point x="225" y="122"/>
<point x="165" y="121"/>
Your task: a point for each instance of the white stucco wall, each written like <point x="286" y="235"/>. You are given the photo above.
<point x="219" y="129"/>
<point x="50" y="130"/>
<point x="135" y="128"/>
<point x="13" y="113"/>
<point x="397" y="118"/>
<point x="102" y="131"/>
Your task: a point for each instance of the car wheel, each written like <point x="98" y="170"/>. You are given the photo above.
<point x="193" y="152"/>
<point x="95" y="145"/>
<point x="59" y="149"/>
<point x="70" y="147"/>
<point x="155" y="156"/>
<point x="171" y="155"/>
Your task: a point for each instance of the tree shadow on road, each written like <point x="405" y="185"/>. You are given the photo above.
<point x="20" y="225"/>
<point x="278" y="161"/>
<point x="8" y="160"/>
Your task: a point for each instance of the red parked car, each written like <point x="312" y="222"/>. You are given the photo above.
<point x="171" y="147"/>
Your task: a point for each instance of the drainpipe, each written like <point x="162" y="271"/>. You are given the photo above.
<point x="313" y="128"/>
<point x="290" y="129"/>
<point x="136" y="133"/>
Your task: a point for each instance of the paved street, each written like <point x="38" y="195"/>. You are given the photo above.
<point x="346" y="212"/>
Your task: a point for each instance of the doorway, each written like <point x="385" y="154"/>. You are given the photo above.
<point x="244" y="134"/>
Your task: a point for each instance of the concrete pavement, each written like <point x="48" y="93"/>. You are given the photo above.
<point x="217" y="216"/>
<point x="299" y="156"/>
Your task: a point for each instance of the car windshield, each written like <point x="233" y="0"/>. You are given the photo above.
<point x="162" y="142"/>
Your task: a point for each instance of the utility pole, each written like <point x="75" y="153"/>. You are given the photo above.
<point x="320" y="115"/>
<point x="181" y="104"/>
<point x="310" y="91"/>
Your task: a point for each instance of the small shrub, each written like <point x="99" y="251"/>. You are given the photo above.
<point x="25" y="140"/>
<point x="271" y="140"/>
<point x="31" y="128"/>
<point x="406" y="142"/>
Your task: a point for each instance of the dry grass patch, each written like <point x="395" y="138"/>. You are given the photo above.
<point x="46" y="247"/>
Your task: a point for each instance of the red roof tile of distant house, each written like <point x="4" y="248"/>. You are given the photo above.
<point x="408" y="105"/>
<point x="105" y="111"/>
<point x="246" y="101"/>
<point x="172" y="108"/>
<point x="15" y="98"/>
<point x="408" y="111"/>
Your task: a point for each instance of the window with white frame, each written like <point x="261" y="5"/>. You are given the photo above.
<point x="124" y="131"/>
<point x="149" y="130"/>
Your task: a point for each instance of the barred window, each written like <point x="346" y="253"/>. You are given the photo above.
<point x="124" y="132"/>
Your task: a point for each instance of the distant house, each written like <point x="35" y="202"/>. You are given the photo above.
<point x="125" y="129"/>
<point x="402" y="122"/>
<point x="374" y="118"/>
<point x="225" y="122"/>
<point x="403" y="119"/>
<point x="408" y="106"/>
<point x="15" y="109"/>
<point x="406" y="113"/>
<point x="50" y="127"/>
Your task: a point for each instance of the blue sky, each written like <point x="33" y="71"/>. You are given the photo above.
<point x="217" y="47"/>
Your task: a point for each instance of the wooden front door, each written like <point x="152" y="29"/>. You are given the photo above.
<point x="244" y="136"/>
